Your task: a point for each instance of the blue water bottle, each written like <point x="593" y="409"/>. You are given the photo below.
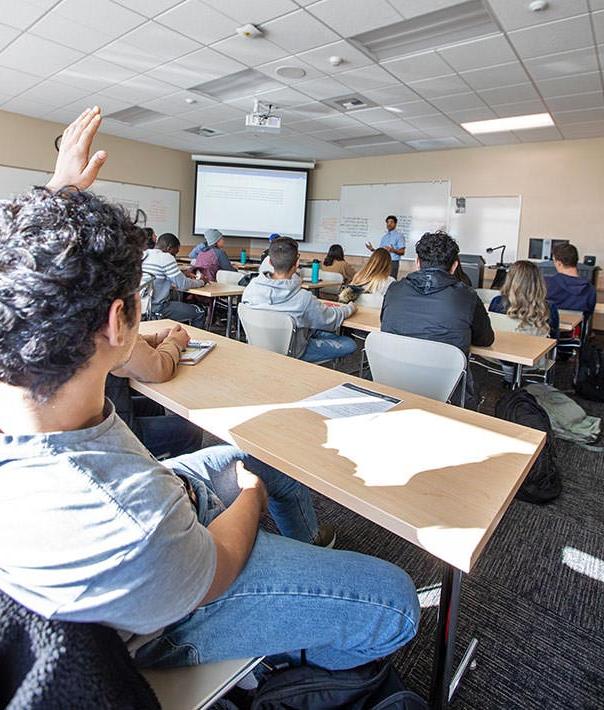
<point x="243" y="256"/>
<point x="314" y="276"/>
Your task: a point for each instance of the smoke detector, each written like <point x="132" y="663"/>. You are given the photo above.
<point x="249" y="31"/>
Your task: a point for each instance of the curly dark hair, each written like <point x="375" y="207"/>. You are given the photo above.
<point x="437" y="250"/>
<point x="64" y="258"/>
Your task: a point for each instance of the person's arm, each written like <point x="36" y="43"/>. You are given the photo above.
<point x="155" y="358"/>
<point x="234" y="533"/>
<point x="370" y="246"/>
<point x="178" y="279"/>
<point x="400" y="251"/>
<point x="74" y="166"/>
<point x="482" y="331"/>
<point x="325" y="317"/>
<point x="224" y="263"/>
<point x="400" y="246"/>
<point x="591" y="304"/>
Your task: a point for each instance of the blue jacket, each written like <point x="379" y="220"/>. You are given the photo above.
<point x="498" y="305"/>
<point x="571" y="292"/>
<point x="224" y="263"/>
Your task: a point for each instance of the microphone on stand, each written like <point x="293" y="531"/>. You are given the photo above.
<point x="490" y="250"/>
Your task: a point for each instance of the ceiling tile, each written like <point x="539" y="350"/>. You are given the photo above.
<point x="494" y="77"/>
<point x="414" y="108"/>
<point x="316" y="109"/>
<point x="418" y="67"/>
<point x="598" y="22"/>
<point x="93" y="74"/>
<point x="391" y="94"/>
<point x="148" y="8"/>
<point x="394" y="148"/>
<point x="373" y="116"/>
<point x="176" y="104"/>
<point x="140" y="88"/>
<point x="323" y="123"/>
<point x="27" y="107"/>
<point x="319" y="57"/>
<point x="198" y="21"/>
<point x="471" y="114"/>
<point x="37" y="56"/>
<point x="565" y="86"/>
<point x="284" y="98"/>
<point x="440" y="86"/>
<point x="298" y="31"/>
<point x="218" y="112"/>
<point x="370" y="77"/>
<point x="196" y="68"/>
<point x="596" y="4"/>
<point x="251" y="52"/>
<point x="256" y="11"/>
<point x="590" y="129"/>
<point x="355" y="130"/>
<point x="292" y="61"/>
<point x="164" y="44"/>
<point x="23" y="13"/>
<point x="435" y="121"/>
<point x="480" y="53"/>
<point x="509" y="94"/>
<point x="559" y="64"/>
<point x="519" y="108"/>
<point x="593" y="99"/>
<point x="401" y="130"/>
<point x="127" y="56"/>
<point x="573" y="33"/>
<point x="412" y="8"/>
<point x="548" y="133"/>
<point x="106" y="104"/>
<point x="54" y="94"/>
<point x="323" y="88"/>
<point x="7" y="34"/>
<point x="349" y="19"/>
<point x="458" y="102"/>
<point x="514" y="14"/>
<point x="14" y="82"/>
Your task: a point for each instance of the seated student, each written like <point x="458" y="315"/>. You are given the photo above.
<point x="315" y="338"/>
<point x="213" y="248"/>
<point x="106" y="533"/>
<point x="433" y="305"/>
<point x="160" y="263"/>
<point x="375" y="276"/>
<point x="154" y="359"/>
<point x="335" y="262"/>
<point x="151" y="237"/>
<point x="265" y="263"/>
<point x="567" y="289"/>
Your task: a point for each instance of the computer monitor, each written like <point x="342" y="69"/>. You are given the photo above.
<point x="542" y="249"/>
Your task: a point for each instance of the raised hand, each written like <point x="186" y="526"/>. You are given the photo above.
<point x="74" y="166"/>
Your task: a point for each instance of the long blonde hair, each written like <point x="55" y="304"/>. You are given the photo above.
<point x="525" y="295"/>
<point x="375" y="271"/>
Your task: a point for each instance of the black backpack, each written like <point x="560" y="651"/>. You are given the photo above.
<point x="374" y="686"/>
<point x="543" y="482"/>
<point x="590" y="377"/>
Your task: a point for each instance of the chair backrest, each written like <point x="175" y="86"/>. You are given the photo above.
<point x="501" y="321"/>
<point x="146" y="293"/>
<point x="331" y="276"/>
<point x="486" y="295"/>
<point x="370" y="300"/>
<point x="420" y="366"/>
<point x="473" y="272"/>
<point x="228" y="277"/>
<point x="271" y="330"/>
<point x="305" y="272"/>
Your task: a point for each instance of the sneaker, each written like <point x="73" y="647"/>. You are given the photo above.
<point x="326" y="537"/>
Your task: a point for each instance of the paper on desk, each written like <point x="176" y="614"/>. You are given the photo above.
<point x="349" y="400"/>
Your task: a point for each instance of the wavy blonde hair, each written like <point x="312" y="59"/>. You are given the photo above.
<point x="525" y="295"/>
<point x="375" y="271"/>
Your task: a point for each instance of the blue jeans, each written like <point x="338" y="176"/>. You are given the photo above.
<point x="345" y="609"/>
<point x="328" y="346"/>
<point x="177" y="310"/>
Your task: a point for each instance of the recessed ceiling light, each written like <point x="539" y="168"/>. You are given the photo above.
<point x="290" y="72"/>
<point x="513" y="123"/>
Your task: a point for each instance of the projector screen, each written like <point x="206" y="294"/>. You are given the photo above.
<point x="243" y="201"/>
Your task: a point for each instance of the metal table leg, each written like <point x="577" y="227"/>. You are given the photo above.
<point x="444" y="683"/>
<point x="517" y="377"/>
<point x="229" y="313"/>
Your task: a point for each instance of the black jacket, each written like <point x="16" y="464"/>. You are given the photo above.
<point x="432" y="305"/>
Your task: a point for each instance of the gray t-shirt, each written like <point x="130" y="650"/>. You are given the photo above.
<point x="94" y="529"/>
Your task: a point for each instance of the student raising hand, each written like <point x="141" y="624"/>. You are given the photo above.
<point x="74" y="166"/>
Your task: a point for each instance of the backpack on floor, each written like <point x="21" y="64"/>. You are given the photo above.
<point x="374" y="686"/>
<point x="590" y="377"/>
<point x="543" y="482"/>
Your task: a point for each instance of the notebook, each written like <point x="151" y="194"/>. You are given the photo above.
<point x="196" y="351"/>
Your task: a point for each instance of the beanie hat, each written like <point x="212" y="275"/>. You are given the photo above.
<point x="212" y="236"/>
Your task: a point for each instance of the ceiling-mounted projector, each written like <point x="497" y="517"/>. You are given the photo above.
<point x="263" y="117"/>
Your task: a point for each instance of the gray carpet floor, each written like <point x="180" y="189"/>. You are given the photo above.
<point x="535" y="600"/>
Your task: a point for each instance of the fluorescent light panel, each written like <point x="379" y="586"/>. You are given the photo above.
<point x="513" y="123"/>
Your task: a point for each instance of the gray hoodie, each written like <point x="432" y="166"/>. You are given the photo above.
<point x="288" y="296"/>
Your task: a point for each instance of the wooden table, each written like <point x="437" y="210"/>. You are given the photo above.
<point x="310" y="286"/>
<point x="215" y="290"/>
<point x="569" y="320"/>
<point x="518" y="348"/>
<point x="446" y="499"/>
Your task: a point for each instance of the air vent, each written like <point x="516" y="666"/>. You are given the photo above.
<point x="349" y="102"/>
<point x="135" y="115"/>
<point x="434" y="30"/>
<point x="362" y="141"/>
<point x="434" y="143"/>
<point x="203" y="131"/>
<point x="242" y="83"/>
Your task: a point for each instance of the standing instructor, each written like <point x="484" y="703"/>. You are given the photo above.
<point x="392" y="241"/>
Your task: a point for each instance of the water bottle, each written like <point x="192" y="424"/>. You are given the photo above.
<point x="243" y="256"/>
<point x="314" y="277"/>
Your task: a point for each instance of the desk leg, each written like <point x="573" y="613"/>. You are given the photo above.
<point x="210" y="314"/>
<point x="517" y="377"/>
<point x="238" y="320"/>
<point x="229" y="313"/>
<point x="446" y="632"/>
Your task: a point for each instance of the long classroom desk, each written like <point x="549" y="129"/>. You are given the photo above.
<point x="215" y="290"/>
<point x="518" y="348"/>
<point x="446" y="499"/>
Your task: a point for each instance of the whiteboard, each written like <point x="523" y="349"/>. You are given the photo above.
<point x="161" y="206"/>
<point x="487" y="222"/>
<point x="420" y="207"/>
<point x="321" y="225"/>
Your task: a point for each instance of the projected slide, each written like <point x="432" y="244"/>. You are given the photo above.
<point x="250" y="202"/>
